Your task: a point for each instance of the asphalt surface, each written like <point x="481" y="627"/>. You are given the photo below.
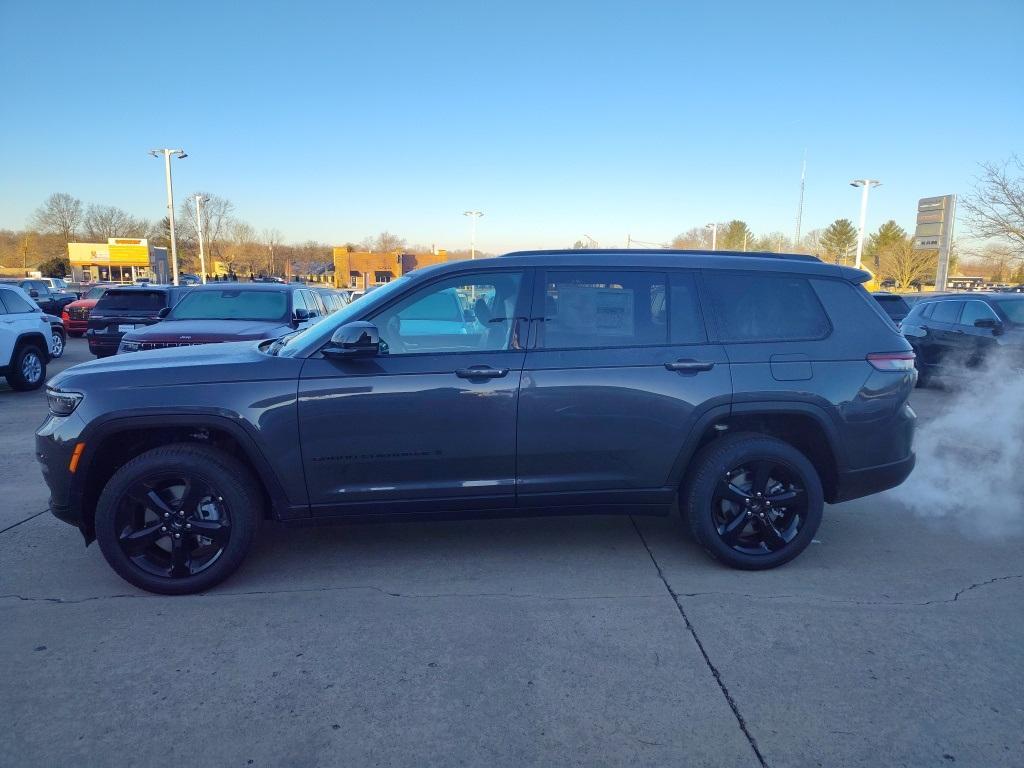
<point x="893" y="640"/>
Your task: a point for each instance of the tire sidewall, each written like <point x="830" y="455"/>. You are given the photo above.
<point x="15" y="377"/>
<point x="227" y="476"/>
<point x="58" y="338"/>
<point x="712" y="464"/>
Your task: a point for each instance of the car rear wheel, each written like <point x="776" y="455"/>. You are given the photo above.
<point x="753" y="501"/>
<point x="178" y="519"/>
<point x="27" y="369"/>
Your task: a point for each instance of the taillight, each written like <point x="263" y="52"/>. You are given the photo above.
<point x="892" y="361"/>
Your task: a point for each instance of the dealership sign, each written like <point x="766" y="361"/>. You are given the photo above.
<point x="934" y="232"/>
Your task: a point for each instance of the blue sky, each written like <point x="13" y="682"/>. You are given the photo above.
<point x="336" y="120"/>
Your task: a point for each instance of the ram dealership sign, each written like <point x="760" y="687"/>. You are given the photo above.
<point x="934" y="232"/>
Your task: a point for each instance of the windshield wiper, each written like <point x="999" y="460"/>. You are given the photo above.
<point x="280" y="343"/>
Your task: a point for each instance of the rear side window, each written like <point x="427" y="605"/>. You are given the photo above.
<point x="686" y="321"/>
<point x="143" y="301"/>
<point x="946" y="311"/>
<point x="894" y="306"/>
<point x="595" y="309"/>
<point x="756" y="307"/>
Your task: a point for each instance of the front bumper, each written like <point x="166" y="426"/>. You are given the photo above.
<point x="105" y="344"/>
<point x="55" y="442"/>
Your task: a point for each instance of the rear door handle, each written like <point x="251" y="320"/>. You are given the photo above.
<point x="481" y="372"/>
<point x="689" y="365"/>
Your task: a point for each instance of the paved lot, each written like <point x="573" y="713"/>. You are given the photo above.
<point x="577" y="641"/>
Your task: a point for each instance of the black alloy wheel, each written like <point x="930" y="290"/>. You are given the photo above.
<point x="178" y="519"/>
<point x="752" y="501"/>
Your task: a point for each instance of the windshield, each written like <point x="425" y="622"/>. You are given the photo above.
<point x="231" y="304"/>
<point x="323" y="330"/>
<point x="152" y="301"/>
<point x="1013" y="309"/>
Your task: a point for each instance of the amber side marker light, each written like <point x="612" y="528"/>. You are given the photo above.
<point x="75" y="456"/>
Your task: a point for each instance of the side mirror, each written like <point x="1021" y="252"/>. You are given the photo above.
<point x="357" y="339"/>
<point x="33" y="293"/>
<point x="986" y="322"/>
<point x="163" y="312"/>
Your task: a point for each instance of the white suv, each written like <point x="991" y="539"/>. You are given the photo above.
<point x="25" y="339"/>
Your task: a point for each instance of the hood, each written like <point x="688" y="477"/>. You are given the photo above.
<point x="87" y="303"/>
<point x="203" y="364"/>
<point x="197" y="331"/>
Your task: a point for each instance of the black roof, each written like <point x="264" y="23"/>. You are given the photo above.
<point x="972" y="295"/>
<point x="664" y="252"/>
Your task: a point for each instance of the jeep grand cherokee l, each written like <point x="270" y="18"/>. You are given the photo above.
<point x="748" y="388"/>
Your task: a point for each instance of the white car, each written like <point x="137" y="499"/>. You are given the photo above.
<point x="26" y="340"/>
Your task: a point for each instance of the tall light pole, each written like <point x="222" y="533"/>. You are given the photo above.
<point x="199" y="230"/>
<point x="865" y="185"/>
<point x="180" y="154"/>
<point x="473" y="216"/>
<point x="800" y="207"/>
<point x="714" y="235"/>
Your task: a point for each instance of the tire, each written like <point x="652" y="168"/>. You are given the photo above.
<point x="221" y="497"/>
<point x="57" y="345"/>
<point x="728" y="516"/>
<point x="27" y="369"/>
<point x="924" y="379"/>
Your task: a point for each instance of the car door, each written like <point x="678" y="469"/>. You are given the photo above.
<point x="8" y="330"/>
<point x="618" y="373"/>
<point x="977" y="341"/>
<point x="429" y="424"/>
<point x="948" y="347"/>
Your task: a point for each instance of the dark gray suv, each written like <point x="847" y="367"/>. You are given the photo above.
<point x="748" y="389"/>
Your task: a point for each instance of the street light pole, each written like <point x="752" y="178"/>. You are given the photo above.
<point x="714" y="235"/>
<point x="473" y="216"/>
<point x="865" y="185"/>
<point x="199" y="230"/>
<point x="180" y="154"/>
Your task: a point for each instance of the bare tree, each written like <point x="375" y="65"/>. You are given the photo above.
<point x="61" y="214"/>
<point x="812" y="242"/>
<point x="272" y="238"/>
<point x="694" y="238"/>
<point x="904" y="265"/>
<point x="1000" y="260"/>
<point x="105" y="221"/>
<point x="996" y="206"/>
<point x="385" y="242"/>
<point x="217" y="220"/>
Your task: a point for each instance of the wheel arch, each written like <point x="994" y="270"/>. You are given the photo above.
<point x="112" y="443"/>
<point x="806" y="426"/>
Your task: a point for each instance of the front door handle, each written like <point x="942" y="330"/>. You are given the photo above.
<point x="689" y="366"/>
<point x="481" y="372"/>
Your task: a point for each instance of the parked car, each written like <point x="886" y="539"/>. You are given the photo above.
<point x="125" y="308"/>
<point x="187" y="278"/>
<point x="229" y="312"/>
<point x="333" y="299"/>
<point x="58" y="285"/>
<point x="763" y="387"/>
<point x="955" y="334"/>
<point x="76" y="314"/>
<point x="25" y="335"/>
<point x="39" y="291"/>
<point x="895" y="306"/>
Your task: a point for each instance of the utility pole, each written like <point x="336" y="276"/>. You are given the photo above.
<point x="800" y="208"/>
<point x="714" y="235"/>
<point x="166" y="154"/>
<point x="199" y="229"/>
<point x="473" y="216"/>
<point x="865" y="185"/>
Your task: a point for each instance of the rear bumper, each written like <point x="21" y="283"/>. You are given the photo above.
<point x="864" y="482"/>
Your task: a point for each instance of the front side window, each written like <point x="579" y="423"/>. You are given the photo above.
<point x="600" y="309"/>
<point x="1013" y="309"/>
<point x="231" y="304"/>
<point x="460" y="314"/>
<point x="14" y="303"/>
<point x="977" y="310"/>
<point x="757" y="307"/>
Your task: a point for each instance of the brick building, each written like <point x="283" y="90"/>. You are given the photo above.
<point x="360" y="269"/>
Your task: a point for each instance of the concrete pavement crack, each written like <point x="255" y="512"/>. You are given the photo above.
<point x="15" y="525"/>
<point x="707" y="659"/>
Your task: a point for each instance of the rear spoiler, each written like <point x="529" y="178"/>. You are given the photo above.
<point x="855" y="276"/>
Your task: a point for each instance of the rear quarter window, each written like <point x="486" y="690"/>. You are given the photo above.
<point x="753" y="307"/>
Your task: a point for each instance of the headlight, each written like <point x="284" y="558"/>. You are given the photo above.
<point x="62" y="403"/>
<point x="128" y="346"/>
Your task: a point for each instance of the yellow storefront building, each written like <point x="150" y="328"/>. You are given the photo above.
<point x="119" y="260"/>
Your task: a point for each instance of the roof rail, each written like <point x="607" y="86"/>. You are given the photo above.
<point x="664" y="252"/>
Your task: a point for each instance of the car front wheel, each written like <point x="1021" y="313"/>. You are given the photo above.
<point x="753" y="501"/>
<point x="178" y="519"/>
<point x="28" y="369"/>
<point x="57" y="345"/>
